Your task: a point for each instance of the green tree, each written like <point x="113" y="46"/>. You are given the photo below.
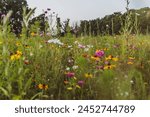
<point x="16" y="18"/>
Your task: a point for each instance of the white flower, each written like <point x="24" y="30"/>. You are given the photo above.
<point x="75" y="67"/>
<point x="31" y="54"/>
<point x="76" y="42"/>
<point x="81" y="46"/>
<point x="40" y="46"/>
<point x="69" y="46"/>
<point x="86" y="49"/>
<point x="68" y="68"/>
<point x="55" y="41"/>
<point x="90" y="46"/>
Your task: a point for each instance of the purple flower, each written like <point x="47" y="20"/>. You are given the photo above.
<point x="80" y="83"/>
<point x="81" y="46"/>
<point x="100" y="67"/>
<point x="70" y="74"/>
<point x="99" y="53"/>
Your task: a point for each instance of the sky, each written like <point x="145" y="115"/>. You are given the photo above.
<point x="77" y="10"/>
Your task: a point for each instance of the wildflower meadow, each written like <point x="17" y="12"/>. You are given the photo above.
<point x="45" y="66"/>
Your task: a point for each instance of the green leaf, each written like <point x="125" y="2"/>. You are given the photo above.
<point x="5" y="92"/>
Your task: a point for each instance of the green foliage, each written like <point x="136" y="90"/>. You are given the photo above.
<point x="132" y="21"/>
<point x="16" y="18"/>
<point x="26" y="19"/>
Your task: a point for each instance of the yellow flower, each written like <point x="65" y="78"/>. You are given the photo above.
<point x="105" y="49"/>
<point x="110" y="57"/>
<point x="15" y="57"/>
<point x="69" y="88"/>
<point x="130" y="63"/>
<point x="115" y="59"/>
<point x="109" y="67"/>
<point x="40" y="86"/>
<point x="88" y="75"/>
<point x="43" y="86"/>
<point x="95" y="58"/>
<point x="77" y="86"/>
<point x="33" y="34"/>
<point x="1" y="42"/>
<point x="18" y="44"/>
<point x="131" y="58"/>
<point x="19" y="52"/>
<point x="12" y="57"/>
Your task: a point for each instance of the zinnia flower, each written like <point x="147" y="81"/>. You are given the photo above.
<point x="99" y="53"/>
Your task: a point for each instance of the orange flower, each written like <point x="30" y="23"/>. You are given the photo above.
<point x="95" y="58"/>
<point x="42" y="86"/>
<point x="129" y="62"/>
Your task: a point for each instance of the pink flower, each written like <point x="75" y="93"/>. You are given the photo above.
<point x="99" y="53"/>
<point x="80" y="83"/>
<point x="81" y="46"/>
<point x="70" y="74"/>
<point x="100" y="67"/>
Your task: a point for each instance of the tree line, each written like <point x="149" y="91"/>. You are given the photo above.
<point x="109" y="25"/>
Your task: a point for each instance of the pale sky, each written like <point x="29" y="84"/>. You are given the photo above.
<point x="85" y="9"/>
